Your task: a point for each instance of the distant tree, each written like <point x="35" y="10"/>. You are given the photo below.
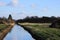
<point x="36" y="19"/>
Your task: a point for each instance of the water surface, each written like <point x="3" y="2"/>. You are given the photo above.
<point x="18" y="33"/>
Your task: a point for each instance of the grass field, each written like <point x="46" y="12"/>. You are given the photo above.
<point x="44" y="32"/>
<point x="2" y="27"/>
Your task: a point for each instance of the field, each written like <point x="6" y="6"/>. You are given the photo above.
<point x="2" y="27"/>
<point x="42" y="31"/>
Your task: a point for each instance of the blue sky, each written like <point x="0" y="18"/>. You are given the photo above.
<point x="22" y="8"/>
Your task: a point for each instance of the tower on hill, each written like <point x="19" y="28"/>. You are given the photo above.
<point x="10" y="20"/>
<point x="10" y="17"/>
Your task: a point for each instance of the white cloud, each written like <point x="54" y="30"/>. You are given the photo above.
<point x="45" y="10"/>
<point x="22" y="6"/>
<point x="20" y="15"/>
<point x="33" y="5"/>
<point x="2" y="3"/>
<point x="14" y="2"/>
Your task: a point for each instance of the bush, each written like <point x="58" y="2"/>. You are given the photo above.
<point x="55" y="24"/>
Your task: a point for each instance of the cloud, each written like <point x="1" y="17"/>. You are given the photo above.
<point x="15" y="2"/>
<point x="22" y="6"/>
<point x="19" y="15"/>
<point x="2" y="4"/>
<point x="10" y="4"/>
<point x="45" y="10"/>
<point x="33" y="5"/>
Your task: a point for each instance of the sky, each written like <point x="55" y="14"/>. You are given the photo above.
<point x="22" y="8"/>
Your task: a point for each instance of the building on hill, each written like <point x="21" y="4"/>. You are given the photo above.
<point x="10" y="17"/>
<point x="10" y="20"/>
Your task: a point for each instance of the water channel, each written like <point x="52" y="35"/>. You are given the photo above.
<point x="18" y="33"/>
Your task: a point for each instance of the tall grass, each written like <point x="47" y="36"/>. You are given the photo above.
<point x="44" y="32"/>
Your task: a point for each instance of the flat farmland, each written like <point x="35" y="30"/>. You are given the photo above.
<point x="41" y="31"/>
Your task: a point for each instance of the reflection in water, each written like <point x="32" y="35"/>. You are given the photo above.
<point x="18" y="33"/>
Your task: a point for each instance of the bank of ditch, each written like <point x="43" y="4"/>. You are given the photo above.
<point x="4" y="31"/>
<point x="41" y="32"/>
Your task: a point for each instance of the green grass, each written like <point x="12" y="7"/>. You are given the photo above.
<point x="2" y="27"/>
<point x="48" y="33"/>
<point x="44" y="32"/>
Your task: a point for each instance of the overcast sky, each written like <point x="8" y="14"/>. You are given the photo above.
<point x="22" y="8"/>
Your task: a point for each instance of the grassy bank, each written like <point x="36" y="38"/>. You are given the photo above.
<point x="4" y="30"/>
<point x="2" y="27"/>
<point x="43" y="32"/>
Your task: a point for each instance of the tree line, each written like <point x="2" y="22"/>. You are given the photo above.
<point x="36" y="19"/>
